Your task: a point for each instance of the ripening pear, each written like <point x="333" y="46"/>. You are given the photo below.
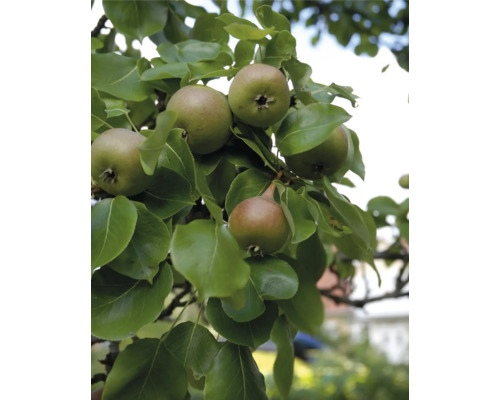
<point x="259" y="225"/>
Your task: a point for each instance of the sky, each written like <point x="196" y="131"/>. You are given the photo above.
<point x="380" y="120"/>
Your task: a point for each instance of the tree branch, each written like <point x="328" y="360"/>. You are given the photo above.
<point x="100" y="25"/>
<point x="176" y="302"/>
<point x="363" y="302"/>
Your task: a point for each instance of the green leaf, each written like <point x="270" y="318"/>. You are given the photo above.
<point x="177" y="156"/>
<point x="273" y="278"/>
<point x="112" y="226"/>
<point x="283" y="365"/>
<point x="97" y="111"/>
<point x="247" y="32"/>
<point x="299" y="72"/>
<point x="252" y="333"/>
<point x="345" y="92"/>
<point x="302" y="221"/>
<point x="228" y="18"/>
<point x="165" y="71"/>
<point x="243" y="53"/>
<point x="280" y="48"/>
<point x="141" y="112"/>
<point x="361" y="223"/>
<point x="194" y="346"/>
<point x="147" y="248"/>
<point x="146" y="370"/>
<point x="135" y="18"/>
<point x="320" y="212"/>
<point x="234" y="375"/>
<point x="357" y="165"/>
<point x="95" y="44"/>
<point x="255" y="140"/>
<point x="308" y="127"/>
<point x="269" y="18"/>
<point x="191" y="51"/>
<point x="220" y="180"/>
<point x="211" y="69"/>
<point x="311" y="257"/>
<point x="253" y="305"/>
<point x="247" y="184"/>
<point x="304" y="310"/>
<point x="210" y="258"/>
<point x="121" y="305"/>
<point x="115" y="108"/>
<point x="209" y="29"/>
<point x="169" y="193"/>
<point x="151" y="148"/>
<point x="118" y="75"/>
<point x="383" y="206"/>
<point x="209" y="199"/>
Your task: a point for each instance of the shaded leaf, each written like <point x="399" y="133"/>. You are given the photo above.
<point x="311" y="258"/>
<point x="360" y="222"/>
<point x="121" y="305"/>
<point x="234" y="375"/>
<point x="247" y="184"/>
<point x="207" y="195"/>
<point x="169" y="193"/>
<point x="252" y="333"/>
<point x="305" y="309"/>
<point x="112" y="226"/>
<point x="284" y="362"/>
<point x="193" y="345"/>
<point x="146" y="370"/>
<point x="255" y="141"/>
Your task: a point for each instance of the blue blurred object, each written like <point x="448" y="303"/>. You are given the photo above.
<point x="308" y="341"/>
<point x="304" y="342"/>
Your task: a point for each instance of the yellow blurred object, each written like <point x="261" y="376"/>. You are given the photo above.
<point x="265" y="362"/>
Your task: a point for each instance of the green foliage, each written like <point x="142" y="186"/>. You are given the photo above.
<point x="166" y="254"/>
<point x="365" y="26"/>
<point x="347" y="371"/>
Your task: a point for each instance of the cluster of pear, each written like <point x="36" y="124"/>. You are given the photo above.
<point x="258" y="96"/>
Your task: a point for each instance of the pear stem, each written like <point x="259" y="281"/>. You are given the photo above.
<point x="269" y="192"/>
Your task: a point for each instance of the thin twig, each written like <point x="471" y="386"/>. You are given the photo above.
<point x="100" y="25"/>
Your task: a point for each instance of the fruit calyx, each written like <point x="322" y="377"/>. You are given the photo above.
<point x="263" y="101"/>
<point x="108" y="175"/>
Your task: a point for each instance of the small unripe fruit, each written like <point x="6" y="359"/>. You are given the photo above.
<point x="205" y="116"/>
<point x="322" y="160"/>
<point x="259" y="95"/>
<point x="404" y="181"/>
<point x="115" y="162"/>
<point x="259" y="225"/>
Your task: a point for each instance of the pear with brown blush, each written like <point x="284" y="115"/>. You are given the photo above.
<point x="259" y="225"/>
